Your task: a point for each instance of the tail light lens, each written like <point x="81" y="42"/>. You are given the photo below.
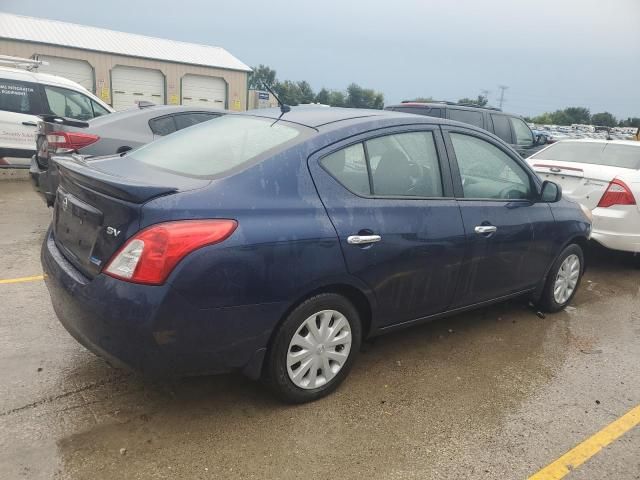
<point x="65" y="142"/>
<point x="151" y="255"/>
<point x="618" y="193"/>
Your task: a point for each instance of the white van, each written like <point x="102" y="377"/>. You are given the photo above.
<point x="24" y="95"/>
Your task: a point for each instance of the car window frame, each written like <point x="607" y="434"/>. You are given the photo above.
<point x="38" y="97"/>
<point x="535" y="181"/>
<point x="443" y="163"/>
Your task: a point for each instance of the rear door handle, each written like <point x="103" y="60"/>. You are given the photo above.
<point x="30" y="124"/>
<point x="363" y="239"/>
<point x="483" y="229"/>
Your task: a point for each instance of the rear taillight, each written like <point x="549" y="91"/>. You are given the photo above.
<point x="618" y="193"/>
<point x="65" y="142"/>
<point x="149" y="256"/>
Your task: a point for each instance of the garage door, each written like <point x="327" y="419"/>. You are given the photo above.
<point x="204" y="91"/>
<point x="79" y="71"/>
<point x="130" y="85"/>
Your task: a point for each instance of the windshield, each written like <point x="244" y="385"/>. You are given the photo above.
<point x="217" y="146"/>
<point x="598" y="153"/>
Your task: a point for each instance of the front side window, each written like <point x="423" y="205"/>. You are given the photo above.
<point x="18" y="97"/>
<point x="466" y="116"/>
<point x="487" y="172"/>
<point x="405" y="164"/>
<point x="99" y="110"/>
<point x="68" y="103"/>
<point x="501" y="127"/>
<point x="524" y="136"/>
<point x="214" y="148"/>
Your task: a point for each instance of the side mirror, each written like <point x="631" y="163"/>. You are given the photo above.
<point x="550" y="192"/>
<point x="540" y="140"/>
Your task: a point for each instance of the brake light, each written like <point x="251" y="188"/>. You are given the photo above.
<point x="150" y="255"/>
<point x="65" y="142"/>
<point x="618" y="193"/>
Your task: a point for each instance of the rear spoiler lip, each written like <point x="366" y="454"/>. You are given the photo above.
<point x="76" y="169"/>
<point x="57" y="119"/>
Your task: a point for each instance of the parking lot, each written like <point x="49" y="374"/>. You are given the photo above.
<point x="497" y="393"/>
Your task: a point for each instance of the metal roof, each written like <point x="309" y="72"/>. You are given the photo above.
<point x="53" y="32"/>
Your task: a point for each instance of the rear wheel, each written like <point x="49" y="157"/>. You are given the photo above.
<point x="563" y="279"/>
<point x="314" y="348"/>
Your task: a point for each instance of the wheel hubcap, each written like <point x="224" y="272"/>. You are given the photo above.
<point x="319" y="349"/>
<point x="567" y="279"/>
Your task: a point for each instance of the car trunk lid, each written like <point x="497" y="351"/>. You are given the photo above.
<point x="583" y="182"/>
<point x="97" y="209"/>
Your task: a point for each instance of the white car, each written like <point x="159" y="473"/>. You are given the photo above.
<point x="24" y="95"/>
<point x="604" y="176"/>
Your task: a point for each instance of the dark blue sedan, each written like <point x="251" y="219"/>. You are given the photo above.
<point x="276" y="246"/>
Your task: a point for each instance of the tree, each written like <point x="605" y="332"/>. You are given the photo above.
<point x="358" y="97"/>
<point x="421" y="100"/>
<point x="630" y="122"/>
<point x="261" y="75"/>
<point x="288" y="92"/>
<point x="306" y="92"/>
<point x="605" y="119"/>
<point x="481" y="100"/>
<point x="323" y="97"/>
<point x="578" y="115"/>
<point x="337" y="98"/>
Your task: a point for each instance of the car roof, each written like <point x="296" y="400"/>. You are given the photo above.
<point x="319" y="116"/>
<point x="457" y="106"/>
<point x="632" y="143"/>
<point x="30" y="76"/>
<point x="150" y="112"/>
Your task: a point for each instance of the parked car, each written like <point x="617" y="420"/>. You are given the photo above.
<point x="274" y="246"/>
<point x="23" y="96"/>
<point x="510" y="128"/>
<point x="605" y="177"/>
<point x="116" y="133"/>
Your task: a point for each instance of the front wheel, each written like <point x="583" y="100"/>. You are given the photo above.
<point x="314" y="348"/>
<point x="563" y="279"/>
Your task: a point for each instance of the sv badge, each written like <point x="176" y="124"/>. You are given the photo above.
<point x="113" y="231"/>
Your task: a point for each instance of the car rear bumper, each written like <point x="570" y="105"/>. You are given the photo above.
<point x="617" y="227"/>
<point x="152" y="329"/>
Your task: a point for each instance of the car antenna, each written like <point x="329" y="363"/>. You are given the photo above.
<point x="283" y="107"/>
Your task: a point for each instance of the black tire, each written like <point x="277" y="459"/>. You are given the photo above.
<point x="276" y="373"/>
<point x="547" y="301"/>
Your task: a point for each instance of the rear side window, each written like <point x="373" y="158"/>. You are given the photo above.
<point x="349" y="167"/>
<point x="19" y="97"/>
<point x="214" y="148"/>
<point x="68" y="103"/>
<point x="609" y="154"/>
<point x="185" y="120"/>
<point x="501" y="127"/>
<point x="404" y="164"/>
<point x="162" y="125"/>
<point x="466" y="116"/>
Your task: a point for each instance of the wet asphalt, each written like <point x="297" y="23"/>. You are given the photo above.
<point x="494" y="394"/>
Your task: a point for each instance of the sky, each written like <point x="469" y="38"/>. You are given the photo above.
<point x="551" y="54"/>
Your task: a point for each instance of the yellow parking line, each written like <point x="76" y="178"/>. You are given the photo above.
<point x="23" y="279"/>
<point x="588" y="448"/>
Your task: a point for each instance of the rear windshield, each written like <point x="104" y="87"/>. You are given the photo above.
<point x="217" y="146"/>
<point x="609" y="154"/>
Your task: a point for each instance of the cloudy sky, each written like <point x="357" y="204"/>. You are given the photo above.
<point x="551" y="53"/>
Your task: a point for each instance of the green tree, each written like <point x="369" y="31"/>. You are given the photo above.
<point x="323" y="96"/>
<point x="578" y="114"/>
<point x="261" y="75"/>
<point x="605" y="119"/>
<point x="358" y="97"/>
<point x="421" y="100"/>
<point x="630" y="122"/>
<point x="337" y="99"/>
<point x="481" y="100"/>
<point x="288" y="92"/>
<point x="307" y="94"/>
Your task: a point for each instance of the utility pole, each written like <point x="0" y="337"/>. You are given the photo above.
<point x="502" y="89"/>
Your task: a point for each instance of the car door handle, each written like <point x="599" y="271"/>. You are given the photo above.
<point x="362" y="239"/>
<point x="483" y="229"/>
<point x="30" y="124"/>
